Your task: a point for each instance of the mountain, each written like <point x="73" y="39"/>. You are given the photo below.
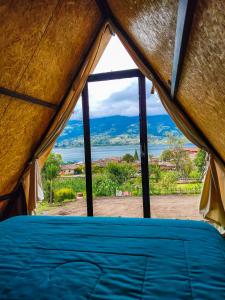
<point x="116" y="130"/>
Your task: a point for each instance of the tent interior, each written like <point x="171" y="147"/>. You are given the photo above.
<point x="48" y="50"/>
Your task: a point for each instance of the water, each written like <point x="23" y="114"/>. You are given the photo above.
<point x="76" y="154"/>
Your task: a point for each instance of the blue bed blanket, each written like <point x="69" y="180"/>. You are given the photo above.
<point x="110" y="258"/>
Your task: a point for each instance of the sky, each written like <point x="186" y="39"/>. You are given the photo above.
<point x="117" y="97"/>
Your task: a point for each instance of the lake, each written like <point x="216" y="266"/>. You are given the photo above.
<point x="76" y="154"/>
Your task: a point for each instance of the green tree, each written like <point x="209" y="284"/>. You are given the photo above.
<point x="120" y="173"/>
<point x="49" y="172"/>
<point x="128" y="158"/>
<point x="177" y="155"/>
<point x="200" y="161"/>
<point x="167" y="155"/>
<point x="169" y="179"/>
<point x="155" y="171"/>
<point x="175" y="141"/>
<point x="79" y="170"/>
<point x="136" y="157"/>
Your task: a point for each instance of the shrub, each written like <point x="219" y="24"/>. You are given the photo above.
<point x="155" y="172"/>
<point x="128" y="158"/>
<point x="78" y="170"/>
<point x="104" y="186"/>
<point x="76" y="184"/>
<point x="195" y="174"/>
<point x="120" y="173"/>
<point x="168" y="179"/>
<point x="200" y="161"/>
<point x="64" y="194"/>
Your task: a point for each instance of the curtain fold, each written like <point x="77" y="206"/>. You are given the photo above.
<point x="212" y="203"/>
<point x="14" y="204"/>
<point x="31" y="179"/>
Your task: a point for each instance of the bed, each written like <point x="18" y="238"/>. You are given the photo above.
<point x="110" y="258"/>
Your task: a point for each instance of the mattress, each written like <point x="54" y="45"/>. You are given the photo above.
<point x="110" y="258"/>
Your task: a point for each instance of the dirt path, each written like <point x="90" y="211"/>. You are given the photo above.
<point x="170" y="206"/>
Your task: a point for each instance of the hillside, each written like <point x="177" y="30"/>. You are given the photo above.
<point x="116" y="130"/>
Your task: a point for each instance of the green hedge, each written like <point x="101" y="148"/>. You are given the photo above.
<point x="64" y="194"/>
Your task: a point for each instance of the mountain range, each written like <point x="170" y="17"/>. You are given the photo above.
<point x="117" y="130"/>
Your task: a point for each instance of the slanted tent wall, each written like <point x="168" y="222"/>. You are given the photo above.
<point x="47" y="45"/>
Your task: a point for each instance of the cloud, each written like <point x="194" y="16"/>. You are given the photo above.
<point x="124" y="102"/>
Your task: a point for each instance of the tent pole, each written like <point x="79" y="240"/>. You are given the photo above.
<point x="184" y="20"/>
<point x="27" y="98"/>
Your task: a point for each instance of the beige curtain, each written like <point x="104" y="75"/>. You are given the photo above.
<point x="31" y="179"/>
<point x="212" y="203"/>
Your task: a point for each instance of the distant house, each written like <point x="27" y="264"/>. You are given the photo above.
<point x="71" y="169"/>
<point x="105" y="161"/>
<point x="154" y="160"/>
<point x="167" y="166"/>
<point x="192" y="152"/>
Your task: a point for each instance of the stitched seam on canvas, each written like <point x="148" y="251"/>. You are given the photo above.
<point x="188" y="269"/>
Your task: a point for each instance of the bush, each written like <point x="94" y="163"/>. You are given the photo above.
<point x="200" y="161"/>
<point x="195" y="174"/>
<point x="103" y="186"/>
<point x="64" y="194"/>
<point x="78" y="170"/>
<point x="128" y="158"/>
<point x="76" y="184"/>
<point x="168" y="179"/>
<point x="120" y="173"/>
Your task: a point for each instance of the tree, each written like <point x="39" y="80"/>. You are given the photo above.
<point x="200" y="161"/>
<point x="177" y="155"/>
<point x="128" y="158"/>
<point x="120" y="173"/>
<point x="174" y="141"/>
<point x="50" y="171"/>
<point x="78" y="170"/>
<point x="136" y="157"/>
<point x="156" y="171"/>
<point x="169" y="179"/>
<point x="167" y="155"/>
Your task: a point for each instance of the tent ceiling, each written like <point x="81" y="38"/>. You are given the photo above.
<point x="42" y="44"/>
<point x="202" y="86"/>
<point x="152" y="26"/>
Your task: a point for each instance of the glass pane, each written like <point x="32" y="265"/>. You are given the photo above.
<point x="114" y="110"/>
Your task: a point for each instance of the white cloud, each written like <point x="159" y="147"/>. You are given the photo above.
<point x="117" y="97"/>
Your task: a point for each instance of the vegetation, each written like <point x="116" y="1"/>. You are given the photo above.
<point x="64" y="194"/>
<point x="131" y="158"/>
<point x="200" y="161"/>
<point x="50" y="171"/>
<point x="177" y="155"/>
<point x="120" y="173"/>
<point x="136" y="157"/>
<point x="128" y="158"/>
<point x="184" y="177"/>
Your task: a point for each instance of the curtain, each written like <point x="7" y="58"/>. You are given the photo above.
<point x="31" y="179"/>
<point x="13" y="204"/>
<point x="212" y="203"/>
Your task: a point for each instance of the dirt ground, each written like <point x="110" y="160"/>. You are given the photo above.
<point x="169" y="206"/>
